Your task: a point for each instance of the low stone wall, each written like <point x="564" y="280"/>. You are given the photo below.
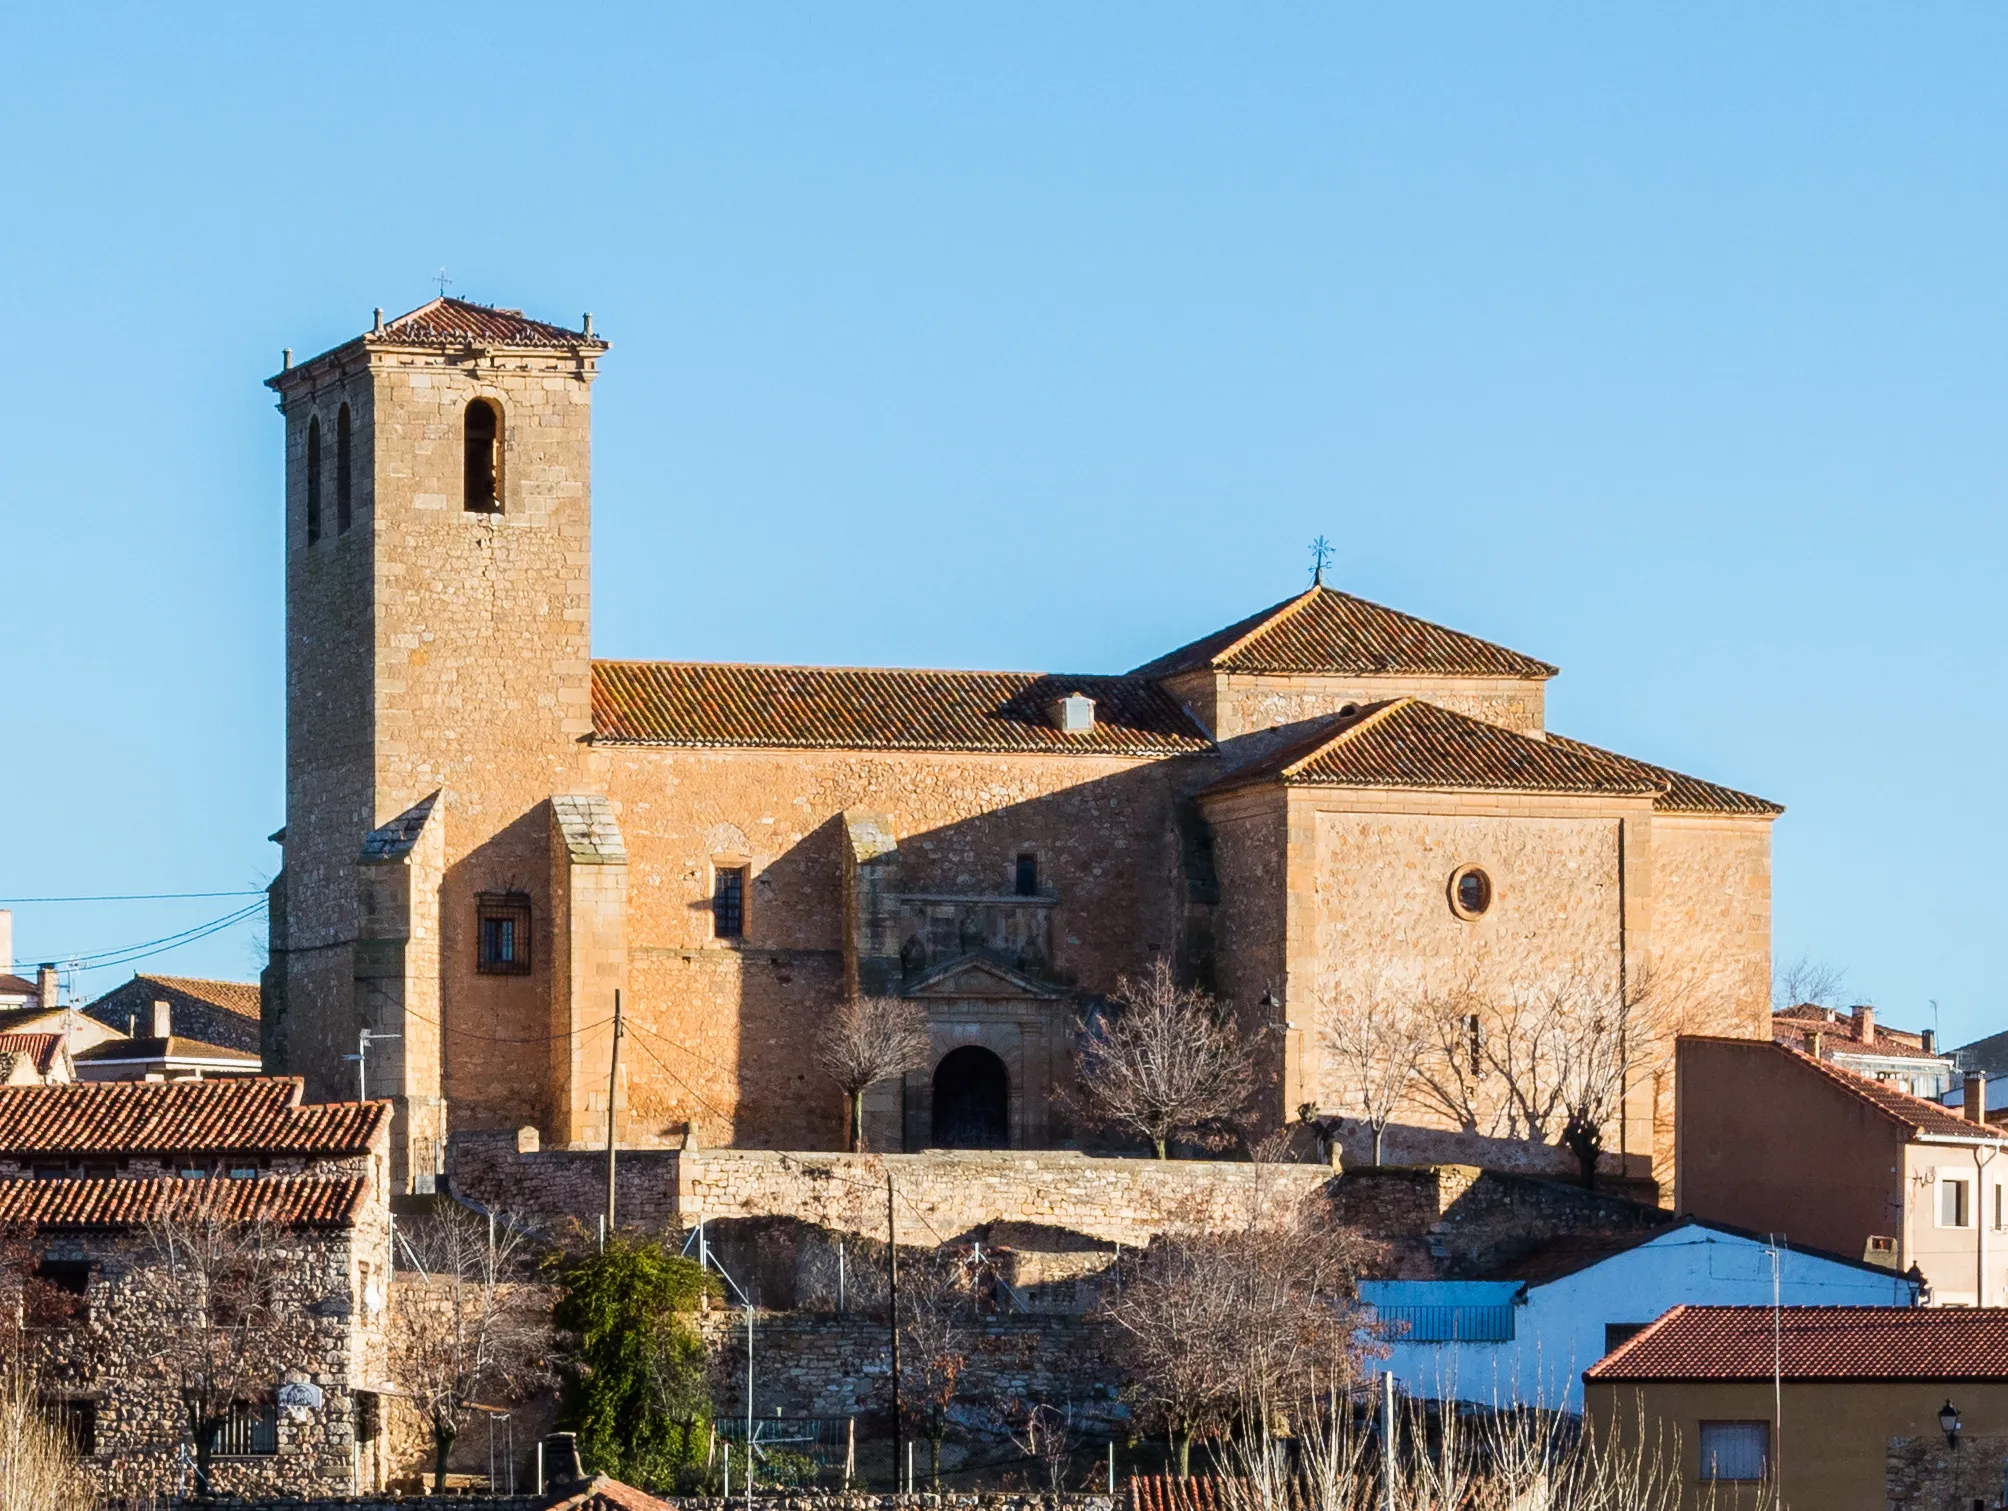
<point x="943" y="1194"/>
<point x="1928" y="1474"/>
<point x="823" y="1366"/>
<point x="550" y="1189"/>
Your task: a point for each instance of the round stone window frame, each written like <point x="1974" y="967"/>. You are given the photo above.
<point x="1457" y="880"/>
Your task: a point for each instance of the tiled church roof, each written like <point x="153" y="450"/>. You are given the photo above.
<point x="1815" y="1343"/>
<point x="847" y="708"/>
<point x="1684" y="794"/>
<point x="456" y="322"/>
<point x="1405" y="742"/>
<point x="182" y="1117"/>
<point x="1324" y="630"/>
<point x="105" y="1202"/>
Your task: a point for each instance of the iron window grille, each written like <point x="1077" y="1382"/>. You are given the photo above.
<point x="504" y="946"/>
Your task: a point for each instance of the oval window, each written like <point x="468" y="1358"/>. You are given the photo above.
<point x="1470" y="892"/>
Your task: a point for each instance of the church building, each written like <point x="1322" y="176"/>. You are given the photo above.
<point x="489" y="833"/>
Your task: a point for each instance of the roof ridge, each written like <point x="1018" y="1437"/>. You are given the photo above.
<point x="1353" y="723"/>
<point x="1275" y="616"/>
<point x="1881" y="1095"/>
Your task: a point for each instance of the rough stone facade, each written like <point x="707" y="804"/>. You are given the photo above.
<point x="1003" y="849"/>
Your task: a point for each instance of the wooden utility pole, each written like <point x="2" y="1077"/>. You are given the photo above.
<point x="892" y="1288"/>
<point x="613" y="1090"/>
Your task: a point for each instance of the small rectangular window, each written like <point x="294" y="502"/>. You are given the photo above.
<point x="251" y="1432"/>
<point x="1735" y="1450"/>
<point x="77" y="1421"/>
<point x="1953" y="1211"/>
<point x="1618" y="1334"/>
<point x="728" y="902"/>
<point x="504" y="944"/>
<point x="1028" y="876"/>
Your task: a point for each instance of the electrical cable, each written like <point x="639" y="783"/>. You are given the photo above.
<point x="126" y="954"/>
<point x="8" y="902"/>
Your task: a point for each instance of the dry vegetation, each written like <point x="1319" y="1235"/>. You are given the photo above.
<point x="1164" y="1061"/>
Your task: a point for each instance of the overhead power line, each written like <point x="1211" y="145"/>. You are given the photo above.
<point x="8" y="902"/>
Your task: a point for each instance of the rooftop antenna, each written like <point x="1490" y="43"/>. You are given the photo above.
<point x="442" y="280"/>
<point x="1321" y="557"/>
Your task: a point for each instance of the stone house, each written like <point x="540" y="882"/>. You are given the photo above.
<point x="223" y="1013"/>
<point x="1858" y="1043"/>
<point x="162" y="1055"/>
<point x="1774" y="1141"/>
<point x="87" y="1175"/>
<point x="489" y="833"/>
<point x="1858" y="1390"/>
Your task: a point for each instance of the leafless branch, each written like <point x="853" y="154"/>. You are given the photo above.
<point x="1166" y="1060"/>
<point x="868" y="1040"/>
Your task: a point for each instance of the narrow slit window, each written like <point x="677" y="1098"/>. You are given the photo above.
<point x="1027" y="884"/>
<point x="503" y="945"/>
<point x="728" y="902"/>
<point x="343" y="507"/>
<point x="484" y="457"/>
<point x="313" y="480"/>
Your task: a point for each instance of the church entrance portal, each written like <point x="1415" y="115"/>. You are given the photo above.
<point x="972" y="1097"/>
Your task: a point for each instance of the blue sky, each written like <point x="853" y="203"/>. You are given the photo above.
<point x="1667" y="344"/>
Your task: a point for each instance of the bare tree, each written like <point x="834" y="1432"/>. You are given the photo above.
<point x="466" y="1327"/>
<point x="1596" y="1044"/>
<point x="1379" y="1033"/>
<point x="209" y="1287"/>
<point x="1807" y="980"/>
<point x="1166" y="1060"/>
<point x="868" y="1040"/>
<point x="1045" y="1434"/>
<point x="1210" y="1325"/>
<point x="936" y="1309"/>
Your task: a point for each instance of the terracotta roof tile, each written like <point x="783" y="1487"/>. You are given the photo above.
<point x="239" y="997"/>
<point x="41" y="1049"/>
<point x="1793" y="1026"/>
<point x="17" y="986"/>
<point x="603" y="1494"/>
<point x="1405" y="742"/>
<point x="846" y="708"/>
<point x="1324" y="630"/>
<point x="175" y="1048"/>
<point x="456" y="322"/>
<point x="1684" y="794"/>
<point x="1171" y="1492"/>
<point x="296" y="1200"/>
<point x="1818" y="1343"/>
<point x="182" y="1117"/>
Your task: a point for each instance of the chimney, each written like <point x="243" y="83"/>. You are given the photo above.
<point x="1073" y="714"/>
<point x="1816" y="1044"/>
<point x="1865" y="1023"/>
<point x="45" y="985"/>
<point x="1929" y="1039"/>
<point x="163" y="1020"/>
<point x="1975" y="1096"/>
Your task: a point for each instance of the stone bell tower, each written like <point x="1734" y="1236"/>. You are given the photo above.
<point x="438" y="687"/>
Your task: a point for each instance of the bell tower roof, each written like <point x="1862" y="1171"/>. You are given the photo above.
<point x="457" y="325"/>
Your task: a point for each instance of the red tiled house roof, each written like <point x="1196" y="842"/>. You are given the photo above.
<point x="41" y="1049"/>
<point x="1405" y="742"/>
<point x="603" y="1494"/>
<point x="1816" y="1343"/>
<point x="1172" y="1492"/>
<point x="294" y="1200"/>
<point x="261" y="1115"/>
<point x="17" y="986"/>
<point x="1324" y="630"/>
<point x="1795" y="1025"/>
<point x="850" y="708"/>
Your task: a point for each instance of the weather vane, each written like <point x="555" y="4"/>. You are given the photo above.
<point x="442" y="280"/>
<point x="1321" y="557"/>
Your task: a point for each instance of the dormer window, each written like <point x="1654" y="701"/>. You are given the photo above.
<point x="483" y="470"/>
<point x="1074" y="714"/>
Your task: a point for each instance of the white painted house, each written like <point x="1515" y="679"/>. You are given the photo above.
<point x="1525" y="1335"/>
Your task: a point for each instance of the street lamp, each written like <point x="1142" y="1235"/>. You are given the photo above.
<point x="1948" y="1421"/>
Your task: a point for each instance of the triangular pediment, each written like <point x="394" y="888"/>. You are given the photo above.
<point x="978" y="975"/>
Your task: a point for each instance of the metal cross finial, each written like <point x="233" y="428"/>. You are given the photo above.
<point x="1321" y="556"/>
<point x="442" y="280"/>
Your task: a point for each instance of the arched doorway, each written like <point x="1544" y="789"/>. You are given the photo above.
<point x="972" y="1101"/>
